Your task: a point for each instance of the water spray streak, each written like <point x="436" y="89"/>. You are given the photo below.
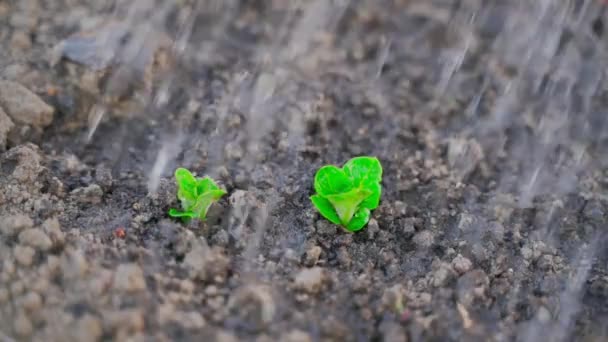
<point x="169" y="149"/>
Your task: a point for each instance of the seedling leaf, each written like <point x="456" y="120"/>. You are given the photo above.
<point x="364" y="170"/>
<point x="177" y="213"/>
<point x="185" y="180"/>
<point x="195" y="194"/>
<point x="325" y="208"/>
<point x="346" y="204"/>
<point x="373" y="200"/>
<point x="206" y="184"/>
<point x="331" y="180"/>
<point x="346" y="196"/>
<point x="359" y="220"/>
<point x="204" y="201"/>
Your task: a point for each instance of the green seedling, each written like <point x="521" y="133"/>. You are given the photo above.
<point x="195" y="194"/>
<point x="346" y="196"/>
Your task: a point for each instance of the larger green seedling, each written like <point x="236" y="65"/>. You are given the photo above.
<point x="195" y="194"/>
<point x="346" y="196"/>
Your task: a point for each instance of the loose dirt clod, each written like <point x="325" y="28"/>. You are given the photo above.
<point x="11" y="225"/>
<point x="23" y="106"/>
<point x="36" y="238"/>
<point x="23" y="164"/>
<point x="312" y="255"/>
<point x="296" y="336"/>
<point x="87" y="328"/>
<point x="6" y="125"/>
<point x="206" y="263"/>
<point x="129" y="278"/>
<point x="461" y="264"/>
<point x="23" y="325"/>
<point x="424" y="239"/>
<point x="91" y="194"/>
<point x="24" y="255"/>
<point x="254" y="304"/>
<point x="310" y="280"/>
<point x="53" y="230"/>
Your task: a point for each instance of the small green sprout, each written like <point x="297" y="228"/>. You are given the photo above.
<point x="346" y="196"/>
<point x="195" y="195"/>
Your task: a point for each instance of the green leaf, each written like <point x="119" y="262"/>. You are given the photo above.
<point x="331" y="180"/>
<point x="177" y="213"/>
<point x="205" y="184"/>
<point x="185" y="180"/>
<point x="325" y="208"/>
<point x="347" y="203"/>
<point x="186" y="198"/>
<point x="359" y="220"/>
<point x="346" y="196"/>
<point x="373" y="200"/>
<point x="204" y="201"/>
<point x="364" y="170"/>
<point x="195" y="195"/>
<point x="217" y="193"/>
<point x="186" y="191"/>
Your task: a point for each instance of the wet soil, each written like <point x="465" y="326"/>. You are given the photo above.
<point x="88" y="252"/>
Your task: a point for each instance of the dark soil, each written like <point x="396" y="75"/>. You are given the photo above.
<point x="463" y="247"/>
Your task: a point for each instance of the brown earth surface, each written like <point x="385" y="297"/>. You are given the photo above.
<point x="488" y="118"/>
